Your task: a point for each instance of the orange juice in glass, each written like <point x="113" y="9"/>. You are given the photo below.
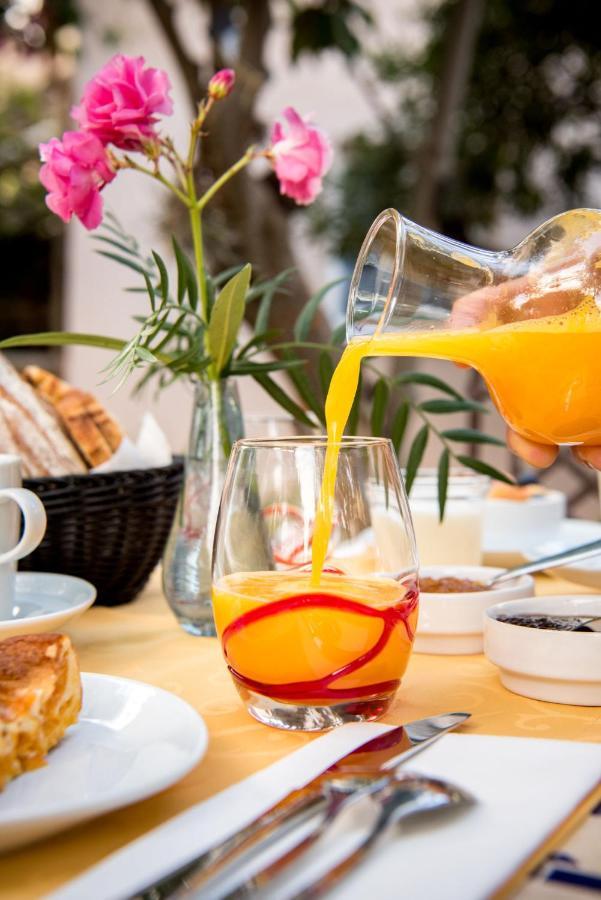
<point x="304" y="652"/>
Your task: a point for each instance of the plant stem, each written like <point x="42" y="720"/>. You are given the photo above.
<point x="158" y="176"/>
<point x="229" y="173"/>
<point x="196" y="227"/>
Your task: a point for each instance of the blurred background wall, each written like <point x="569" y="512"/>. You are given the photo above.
<point x="477" y="118"/>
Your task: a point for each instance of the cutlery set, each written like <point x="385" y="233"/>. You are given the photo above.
<point x="370" y="773"/>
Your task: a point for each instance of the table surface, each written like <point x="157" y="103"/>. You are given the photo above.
<point x="141" y="640"/>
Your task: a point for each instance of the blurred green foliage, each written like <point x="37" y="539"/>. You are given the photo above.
<point x="528" y="130"/>
<point x="330" y="25"/>
<point x="30" y="110"/>
<point x="22" y="206"/>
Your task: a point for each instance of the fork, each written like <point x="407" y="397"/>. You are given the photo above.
<point x="402" y="799"/>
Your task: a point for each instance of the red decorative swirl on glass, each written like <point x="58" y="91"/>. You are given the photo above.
<point x="322" y="688"/>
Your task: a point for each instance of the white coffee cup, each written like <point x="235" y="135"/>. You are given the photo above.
<point x="15" y="499"/>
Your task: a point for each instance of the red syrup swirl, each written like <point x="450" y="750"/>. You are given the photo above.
<point x="320" y="688"/>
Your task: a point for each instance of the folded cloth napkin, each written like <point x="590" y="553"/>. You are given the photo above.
<point x="524" y="788"/>
<point x="150" y="450"/>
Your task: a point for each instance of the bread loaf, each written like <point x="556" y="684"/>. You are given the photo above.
<point x="94" y="432"/>
<point x="35" y="433"/>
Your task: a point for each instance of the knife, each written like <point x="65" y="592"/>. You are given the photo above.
<point x="380" y="753"/>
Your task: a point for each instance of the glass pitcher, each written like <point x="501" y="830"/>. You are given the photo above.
<point x="527" y="319"/>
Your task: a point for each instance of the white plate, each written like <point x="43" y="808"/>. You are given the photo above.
<point x="571" y="533"/>
<point x="45" y="601"/>
<point x="132" y="740"/>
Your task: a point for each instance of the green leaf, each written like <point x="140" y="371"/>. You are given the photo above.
<point x="303" y="345"/>
<point x="262" y="320"/>
<point x="126" y="262"/>
<point x="304" y="321"/>
<point x="120" y="245"/>
<point x="259" y="342"/>
<point x="471" y="436"/>
<point x="227" y="316"/>
<point x="282" y="398"/>
<point x="416" y="454"/>
<point x="259" y="288"/>
<point x="163" y="285"/>
<point x="326" y="370"/>
<point x="429" y="380"/>
<point x="399" y="425"/>
<point x="378" y="408"/>
<point x="443" y="482"/>
<point x="485" y="469"/>
<point x="305" y="389"/>
<point x="224" y="276"/>
<point x="186" y="277"/>
<point x="146" y="354"/>
<point x="245" y="367"/>
<point x="338" y="336"/>
<point x="170" y="332"/>
<point x="452" y="406"/>
<point x="150" y="291"/>
<point x="63" y="339"/>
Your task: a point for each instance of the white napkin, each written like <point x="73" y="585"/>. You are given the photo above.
<point x="524" y="789"/>
<point x="151" y="449"/>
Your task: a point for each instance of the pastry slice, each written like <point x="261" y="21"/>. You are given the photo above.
<point x="40" y="696"/>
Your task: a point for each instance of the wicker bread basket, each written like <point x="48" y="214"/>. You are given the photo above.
<point x="107" y="528"/>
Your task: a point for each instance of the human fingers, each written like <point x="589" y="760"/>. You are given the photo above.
<point x="591" y="456"/>
<point x="541" y="456"/>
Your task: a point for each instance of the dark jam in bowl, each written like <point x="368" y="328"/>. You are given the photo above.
<point x="449" y="585"/>
<point x="551" y="623"/>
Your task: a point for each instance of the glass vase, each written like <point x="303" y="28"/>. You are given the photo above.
<point x="216" y="424"/>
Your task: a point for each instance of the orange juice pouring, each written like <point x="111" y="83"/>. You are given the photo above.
<point x="303" y="653"/>
<point x="528" y="320"/>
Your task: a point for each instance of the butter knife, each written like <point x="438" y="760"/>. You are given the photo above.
<point x="381" y="753"/>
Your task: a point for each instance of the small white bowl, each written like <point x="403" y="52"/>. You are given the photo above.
<point x="453" y="623"/>
<point x="557" y="666"/>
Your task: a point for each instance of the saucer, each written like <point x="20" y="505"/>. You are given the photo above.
<point x="45" y="601"/>
<point x="499" y="551"/>
<point x="570" y="533"/>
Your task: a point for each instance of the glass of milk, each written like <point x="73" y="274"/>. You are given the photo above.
<point x="457" y="540"/>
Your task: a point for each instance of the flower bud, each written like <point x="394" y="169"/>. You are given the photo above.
<point x="221" y="84"/>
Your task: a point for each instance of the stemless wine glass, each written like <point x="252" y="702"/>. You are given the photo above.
<point x="303" y="655"/>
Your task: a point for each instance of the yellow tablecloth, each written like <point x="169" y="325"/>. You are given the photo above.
<point x="142" y="640"/>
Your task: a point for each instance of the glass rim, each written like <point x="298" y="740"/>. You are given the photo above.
<point x="348" y="442"/>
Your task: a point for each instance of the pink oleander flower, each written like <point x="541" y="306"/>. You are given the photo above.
<point x="300" y="157"/>
<point x="221" y="84"/>
<point x="121" y="102"/>
<point x="75" y="170"/>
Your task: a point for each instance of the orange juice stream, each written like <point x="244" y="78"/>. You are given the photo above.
<point x="543" y="375"/>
